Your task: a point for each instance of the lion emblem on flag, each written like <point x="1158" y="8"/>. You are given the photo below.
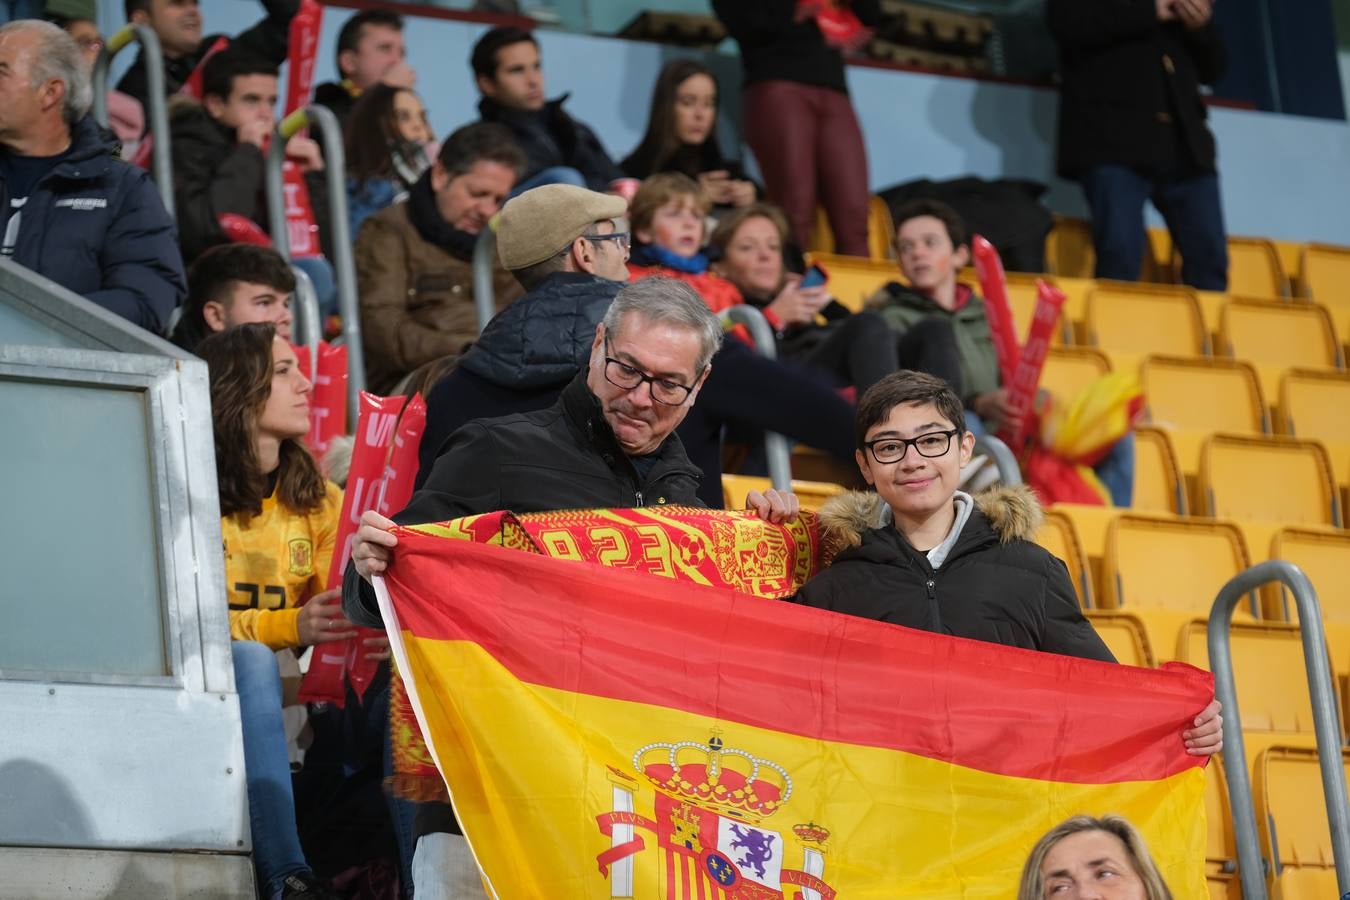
<point x="711" y="807"/>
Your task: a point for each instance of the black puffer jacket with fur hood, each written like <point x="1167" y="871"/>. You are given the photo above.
<point x="995" y="585"/>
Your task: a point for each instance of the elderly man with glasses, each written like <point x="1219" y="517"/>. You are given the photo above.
<point x="608" y="441"/>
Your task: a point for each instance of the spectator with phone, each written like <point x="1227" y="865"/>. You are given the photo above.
<point x="858" y="349"/>
<point x="681" y="137"/>
<point x="279" y="523"/>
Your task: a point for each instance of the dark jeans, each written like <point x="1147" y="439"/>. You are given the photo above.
<point x="1189" y="204"/>
<point x="809" y="147"/>
<point x="861" y="349"/>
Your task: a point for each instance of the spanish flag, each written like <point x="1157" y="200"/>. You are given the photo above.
<point x="608" y="733"/>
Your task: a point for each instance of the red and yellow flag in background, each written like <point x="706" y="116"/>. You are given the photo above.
<point x="606" y="733"/>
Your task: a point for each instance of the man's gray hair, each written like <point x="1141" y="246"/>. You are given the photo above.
<point x="57" y="57"/>
<point x="660" y="299"/>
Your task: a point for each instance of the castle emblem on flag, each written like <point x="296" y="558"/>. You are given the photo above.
<point x="711" y="810"/>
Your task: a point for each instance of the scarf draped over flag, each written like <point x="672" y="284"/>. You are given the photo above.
<point x="604" y="733"/>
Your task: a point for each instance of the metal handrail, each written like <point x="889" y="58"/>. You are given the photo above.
<point x="775" y="445"/>
<point x="158" y="111"/>
<point x="1004" y="459"/>
<point x="484" y="292"/>
<point x="344" y="268"/>
<point x="307" y="329"/>
<point x="1326" y="721"/>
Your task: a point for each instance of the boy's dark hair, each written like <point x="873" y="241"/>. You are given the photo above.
<point x="350" y="35"/>
<point x="481" y="141"/>
<point x="213" y="275"/>
<point x="484" y="57"/>
<point x="221" y="70"/>
<point x="905" y="386"/>
<point x="956" y="226"/>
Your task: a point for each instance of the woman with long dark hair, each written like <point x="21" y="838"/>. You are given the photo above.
<point x="388" y="143"/>
<point x="279" y="521"/>
<point x="682" y="136"/>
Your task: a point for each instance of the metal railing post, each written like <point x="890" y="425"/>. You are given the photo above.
<point x="1326" y="721"/>
<point x="158" y="112"/>
<point x="1004" y="460"/>
<point x="307" y="329"/>
<point x="484" y="292"/>
<point x="344" y="267"/>
<point x="775" y="445"/>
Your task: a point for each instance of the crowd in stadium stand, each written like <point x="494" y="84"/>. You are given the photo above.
<point x="604" y="379"/>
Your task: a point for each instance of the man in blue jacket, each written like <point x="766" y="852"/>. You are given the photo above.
<point x="69" y="208"/>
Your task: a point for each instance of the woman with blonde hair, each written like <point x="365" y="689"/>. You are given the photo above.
<point x="1085" y="857"/>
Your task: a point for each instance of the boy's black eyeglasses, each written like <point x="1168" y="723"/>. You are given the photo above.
<point x="933" y="444"/>
<point x="664" y="391"/>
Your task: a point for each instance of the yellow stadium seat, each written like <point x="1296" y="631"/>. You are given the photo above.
<point x="1167" y="571"/>
<point x="1068" y="248"/>
<point x="1069" y="370"/>
<point x="1159" y="266"/>
<point x="1194" y="396"/>
<point x="1254" y="268"/>
<point x="1324" y="277"/>
<point x="1211" y="307"/>
<point x="854" y="279"/>
<point x="1058" y="536"/>
<point x="1276" y="335"/>
<point x="1075" y="306"/>
<point x="1314" y="404"/>
<point x="1124" y="635"/>
<point x="1158" y="483"/>
<point x="1139" y="319"/>
<point x="1272" y="683"/>
<point x="811" y="493"/>
<point x="1291" y="260"/>
<point x="1291" y="820"/>
<point x="1268" y="479"/>
<point x="1324" y="556"/>
<point x="1090" y="524"/>
<point x="1220" y="844"/>
<point x="880" y="230"/>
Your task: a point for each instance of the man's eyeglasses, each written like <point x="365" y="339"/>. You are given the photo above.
<point x="619" y="237"/>
<point x="664" y="391"/>
<point x="933" y="444"/>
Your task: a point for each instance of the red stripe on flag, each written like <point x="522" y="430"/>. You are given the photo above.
<point x="588" y="629"/>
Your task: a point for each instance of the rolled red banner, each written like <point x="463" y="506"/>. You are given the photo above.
<point x="1027" y="376"/>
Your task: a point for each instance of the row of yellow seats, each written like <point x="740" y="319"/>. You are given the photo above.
<point x="1189" y="399"/>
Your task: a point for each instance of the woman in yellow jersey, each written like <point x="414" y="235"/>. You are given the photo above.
<point x="279" y="521"/>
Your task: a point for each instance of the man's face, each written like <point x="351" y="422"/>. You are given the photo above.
<point x="177" y="24"/>
<point x="658" y="349"/>
<point x="927" y="257"/>
<point x="467" y="201"/>
<point x="249" y="301"/>
<point x="609" y="257"/>
<point x="915" y="486"/>
<point x="253" y="98"/>
<point x="23" y="104"/>
<point x="519" y="81"/>
<point x="378" y="49"/>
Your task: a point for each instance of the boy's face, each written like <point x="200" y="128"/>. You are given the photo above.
<point x="927" y="257"/>
<point x="915" y="486"/>
<point x="676" y="226"/>
<point x="249" y="301"/>
<point x="253" y="98"/>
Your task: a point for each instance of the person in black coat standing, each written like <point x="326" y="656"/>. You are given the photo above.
<point x="1132" y="128"/>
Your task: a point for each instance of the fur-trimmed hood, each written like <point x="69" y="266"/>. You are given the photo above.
<point x="1012" y="510"/>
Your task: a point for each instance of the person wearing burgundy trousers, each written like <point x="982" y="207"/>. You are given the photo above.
<point x="798" y="118"/>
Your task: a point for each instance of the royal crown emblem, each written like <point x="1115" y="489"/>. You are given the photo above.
<point x="708" y="807"/>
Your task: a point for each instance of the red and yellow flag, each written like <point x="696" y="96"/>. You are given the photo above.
<point x="606" y="733"/>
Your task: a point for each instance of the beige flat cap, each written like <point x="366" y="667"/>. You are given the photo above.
<point x="542" y="221"/>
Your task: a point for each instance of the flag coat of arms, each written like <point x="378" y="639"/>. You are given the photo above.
<point x="609" y="733"/>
